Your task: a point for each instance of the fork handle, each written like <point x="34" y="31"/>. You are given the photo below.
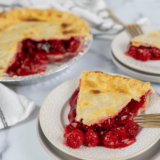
<point x="115" y="18"/>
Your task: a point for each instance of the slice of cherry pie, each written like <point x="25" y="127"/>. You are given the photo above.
<point x="103" y="109"/>
<point x="145" y="47"/>
<point x="32" y="38"/>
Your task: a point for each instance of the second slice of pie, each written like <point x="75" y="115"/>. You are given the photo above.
<point x="145" y="47"/>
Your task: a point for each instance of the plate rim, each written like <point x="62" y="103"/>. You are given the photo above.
<point x="136" y="67"/>
<point x="78" y="156"/>
<point x="40" y="141"/>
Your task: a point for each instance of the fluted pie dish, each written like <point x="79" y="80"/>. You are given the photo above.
<point x="30" y="39"/>
<point x="91" y="116"/>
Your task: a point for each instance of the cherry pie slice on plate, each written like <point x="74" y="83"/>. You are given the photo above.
<point x="32" y="38"/>
<point x="145" y="47"/>
<point x="140" y="53"/>
<point x="103" y="109"/>
<point x="75" y="118"/>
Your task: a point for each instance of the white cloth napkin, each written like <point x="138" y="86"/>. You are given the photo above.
<point x="93" y="11"/>
<point x="14" y="108"/>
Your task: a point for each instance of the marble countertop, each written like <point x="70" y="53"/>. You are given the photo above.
<point x="20" y="142"/>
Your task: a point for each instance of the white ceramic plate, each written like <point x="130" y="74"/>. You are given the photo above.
<point x="153" y="153"/>
<point x="119" y="46"/>
<point x="53" y="117"/>
<point x="134" y="73"/>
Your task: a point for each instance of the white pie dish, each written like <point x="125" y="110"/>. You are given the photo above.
<point x="53" y="117"/>
<point x="120" y="45"/>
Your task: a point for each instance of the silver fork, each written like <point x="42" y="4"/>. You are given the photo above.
<point x="133" y="28"/>
<point x="148" y="120"/>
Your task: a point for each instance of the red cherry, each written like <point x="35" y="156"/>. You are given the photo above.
<point x="127" y="142"/>
<point x="121" y="131"/>
<point x="72" y="126"/>
<point x="73" y="99"/>
<point x="125" y="111"/>
<point x="132" y="128"/>
<point x="111" y="139"/>
<point x="57" y="46"/>
<point x="133" y="48"/>
<point x="133" y="51"/>
<point x="72" y="114"/>
<point x="101" y="132"/>
<point x="86" y="127"/>
<point x="75" y="125"/>
<point x="73" y="105"/>
<point x="123" y="117"/>
<point x="15" y="64"/>
<point x="74" y="139"/>
<point x="144" y="54"/>
<point x="21" y="56"/>
<point x="66" y="130"/>
<point x="155" y="58"/>
<point x="70" y="117"/>
<point x="41" y="57"/>
<point x="91" y="138"/>
<point x="40" y="45"/>
<point x="28" y="43"/>
<point x="108" y="123"/>
<point x="74" y="44"/>
<point x="156" y="52"/>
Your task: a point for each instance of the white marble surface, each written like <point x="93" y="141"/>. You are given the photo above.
<point x="20" y="142"/>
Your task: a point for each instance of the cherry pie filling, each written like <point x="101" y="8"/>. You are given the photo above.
<point x="143" y="53"/>
<point x="118" y="132"/>
<point x="33" y="56"/>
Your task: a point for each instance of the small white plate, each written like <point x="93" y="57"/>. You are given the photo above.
<point x="53" y="117"/>
<point x="119" y="46"/>
<point x="153" y="153"/>
<point x="134" y="73"/>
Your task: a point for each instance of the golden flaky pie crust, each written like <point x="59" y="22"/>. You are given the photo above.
<point x="103" y="95"/>
<point x="19" y="24"/>
<point x="151" y="39"/>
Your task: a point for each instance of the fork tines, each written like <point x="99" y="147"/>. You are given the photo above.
<point x="148" y="120"/>
<point x="134" y="29"/>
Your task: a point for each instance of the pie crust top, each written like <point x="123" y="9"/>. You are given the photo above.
<point x="103" y="96"/>
<point x="36" y="24"/>
<point x="151" y="39"/>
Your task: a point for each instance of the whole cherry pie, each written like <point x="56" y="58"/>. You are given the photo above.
<point x="145" y="47"/>
<point x="32" y="38"/>
<point x="102" y="110"/>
